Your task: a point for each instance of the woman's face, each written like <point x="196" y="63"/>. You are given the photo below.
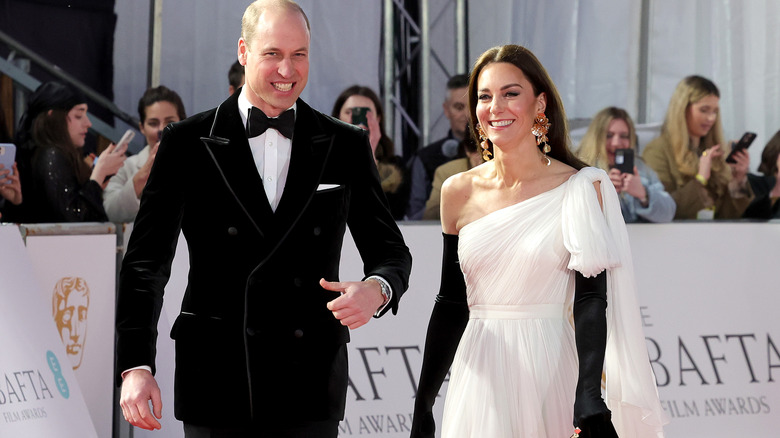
<point x="158" y="116"/>
<point x="354" y="101"/>
<point x="701" y="115"/>
<point x="78" y="124"/>
<point x="617" y="138"/>
<point x="506" y="105"/>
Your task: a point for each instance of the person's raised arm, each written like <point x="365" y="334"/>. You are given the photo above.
<point x="108" y="163"/>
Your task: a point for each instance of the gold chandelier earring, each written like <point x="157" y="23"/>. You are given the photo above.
<point x="483" y="143"/>
<point x="539" y="130"/>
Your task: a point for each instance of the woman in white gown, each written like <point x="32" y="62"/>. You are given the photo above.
<point x="534" y="245"/>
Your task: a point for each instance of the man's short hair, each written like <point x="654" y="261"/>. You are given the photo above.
<point x="458" y="81"/>
<point x="254" y="10"/>
<point x="236" y="75"/>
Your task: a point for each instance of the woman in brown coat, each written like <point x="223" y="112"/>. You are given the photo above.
<point x="690" y="156"/>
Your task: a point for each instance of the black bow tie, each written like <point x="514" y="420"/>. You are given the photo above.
<point x="257" y="123"/>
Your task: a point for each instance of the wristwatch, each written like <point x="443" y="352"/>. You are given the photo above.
<point x="385" y="292"/>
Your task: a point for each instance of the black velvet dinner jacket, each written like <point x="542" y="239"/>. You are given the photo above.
<point x="254" y="340"/>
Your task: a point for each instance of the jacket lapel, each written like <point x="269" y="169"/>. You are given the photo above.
<point x="310" y="149"/>
<point x="229" y="148"/>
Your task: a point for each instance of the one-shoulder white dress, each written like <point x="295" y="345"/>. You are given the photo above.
<point x="515" y="370"/>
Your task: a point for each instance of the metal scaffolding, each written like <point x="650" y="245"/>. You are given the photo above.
<point x="407" y="57"/>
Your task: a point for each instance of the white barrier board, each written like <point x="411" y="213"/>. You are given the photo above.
<point x="39" y="394"/>
<point x="710" y="299"/>
<point x="708" y="293"/>
<point x="77" y="275"/>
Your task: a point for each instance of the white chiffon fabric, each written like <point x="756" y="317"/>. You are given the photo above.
<point x="515" y="370"/>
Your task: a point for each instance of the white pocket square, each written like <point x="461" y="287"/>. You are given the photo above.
<point x="322" y="187"/>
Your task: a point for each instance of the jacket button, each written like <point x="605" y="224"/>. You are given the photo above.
<point x="297" y="282"/>
<point x="317" y="231"/>
<point x="233" y="231"/>
<point x="250" y="331"/>
<point x="298" y="333"/>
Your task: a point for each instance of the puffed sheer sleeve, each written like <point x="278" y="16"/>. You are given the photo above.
<point x="597" y="239"/>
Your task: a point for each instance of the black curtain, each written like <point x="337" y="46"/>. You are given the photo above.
<point x="75" y="35"/>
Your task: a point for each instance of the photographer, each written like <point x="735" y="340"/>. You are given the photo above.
<point x="642" y="195"/>
<point x="389" y="165"/>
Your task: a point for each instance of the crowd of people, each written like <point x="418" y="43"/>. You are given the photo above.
<point x="682" y="174"/>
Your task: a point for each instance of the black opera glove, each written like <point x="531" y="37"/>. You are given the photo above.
<point x="591" y="414"/>
<point x="448" y="320"/>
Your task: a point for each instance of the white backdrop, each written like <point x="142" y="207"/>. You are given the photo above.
<point x="199" y="44"/>
<point x="734" y="43"/>
<point x="591" y="50"/>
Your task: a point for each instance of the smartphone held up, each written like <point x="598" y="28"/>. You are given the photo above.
<point x="359" y="117"/>
<point x="741" y="145"/>
<point x="624" y="160"/>
<point x="124" y="142"/>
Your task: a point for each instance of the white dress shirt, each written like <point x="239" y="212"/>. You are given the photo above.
<point x="271" y="152"/>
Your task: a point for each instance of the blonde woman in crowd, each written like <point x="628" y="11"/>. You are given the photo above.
<point x="690" y="156"/>
<point x="642" y="195"/>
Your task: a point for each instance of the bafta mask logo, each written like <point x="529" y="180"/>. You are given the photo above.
<point x="70" y="303"/>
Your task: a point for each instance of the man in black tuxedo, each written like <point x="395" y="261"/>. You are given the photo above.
<point x="263" y="204"/>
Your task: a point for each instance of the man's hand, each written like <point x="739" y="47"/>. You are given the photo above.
<point x="358" y="302"/>
<point x="138" y="387"/>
